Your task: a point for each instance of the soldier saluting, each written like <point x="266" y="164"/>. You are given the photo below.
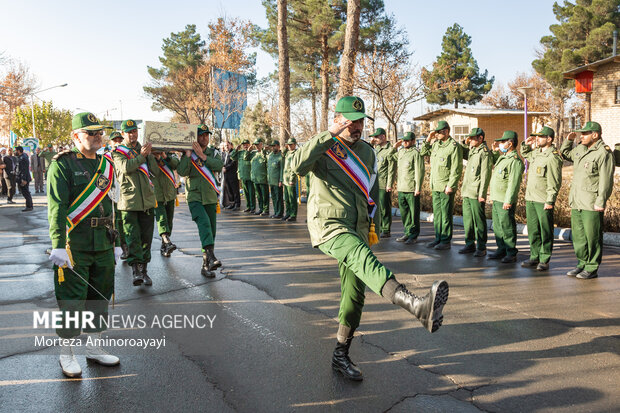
<point x="81" y="231"/>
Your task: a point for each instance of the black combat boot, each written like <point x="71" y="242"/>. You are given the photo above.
<point x="125" y="253"/>
<point x="167" y="245"/>
<point x="427" y="309"/>
<point x="213" y="263"/>
<point x="145" y="276"/>
<point x="205" y="267"/>
<point x="163" y="248"/>
<point x="342" y="363"/>
<point x="138" y="278"/>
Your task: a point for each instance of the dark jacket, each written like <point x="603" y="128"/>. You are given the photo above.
<point x="22" y="172"/>
<point x="9" y="168"/>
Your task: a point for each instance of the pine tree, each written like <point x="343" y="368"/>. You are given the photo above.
<point x="455" y="76"/>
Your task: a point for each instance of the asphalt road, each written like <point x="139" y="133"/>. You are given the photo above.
<point x="512" y="339"/>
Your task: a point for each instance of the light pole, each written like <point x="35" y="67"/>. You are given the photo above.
<point x="524" y="90"/>
<point x="34" y="134"/>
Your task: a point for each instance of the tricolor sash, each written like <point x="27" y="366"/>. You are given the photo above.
<point x="353" y="166"/>
<point x="163" y="166"/>
<point x="205" y="172"/>
<point x="130" y="154"/>
<point x="92" y="195"/>
<point x="108" y="156"/>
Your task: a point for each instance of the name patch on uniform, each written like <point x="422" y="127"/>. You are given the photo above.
<point x="340" y="152"/>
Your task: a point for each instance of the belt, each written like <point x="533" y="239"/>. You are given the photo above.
<point x="100" y="221"/>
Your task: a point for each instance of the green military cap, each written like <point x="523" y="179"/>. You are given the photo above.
<point x="257" y="141"/>
<point x="291" y="141"/>
<point x="378" y="131"/>
<point x="202" y="129"/>
<point x="86" y="121"/>
<point x="128" y="125"/>
<point x="49" y="145"/>
<point x="545" y="131"/>
<point x="508" y="135"/>
<point x="352" y="108"/>
<point x="245" y="141"/>
<point x="409" y="136"/>
<point x="590" y="127"/>
<point x="476" y="132"/>
<point x="115" y="135"/>
<point x="275" y="143"/>
<point x="441" y="125"/>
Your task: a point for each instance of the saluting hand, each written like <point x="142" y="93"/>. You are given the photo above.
<point x="398" y="144"/>
<point x="496" y="146"/>
<point x="571" y="136"/>
<point x="337" y="127"/>
<point x="431" y="137"/>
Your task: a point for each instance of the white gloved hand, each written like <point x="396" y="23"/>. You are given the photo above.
<point x="118" y="251"/>
<point x="60" y="257"/>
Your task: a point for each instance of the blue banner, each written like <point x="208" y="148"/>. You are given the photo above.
<point x="230" y="93"/>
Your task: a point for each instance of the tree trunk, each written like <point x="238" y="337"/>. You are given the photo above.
<point x="283" y="75"/>
<point x="351" y="40"/>
<point x="324" y="81"/>
<point x="313" y="97"/>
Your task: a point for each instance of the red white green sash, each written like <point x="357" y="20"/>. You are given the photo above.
<point x="130" y="154"/>
<point x="353" y="166"/>
<point x="205" y="172"/>
<point x="108" y="156"/>
<point x="163" y="166"/>
<point x="92" y="195"/>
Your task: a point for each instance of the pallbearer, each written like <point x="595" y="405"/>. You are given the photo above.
<point x="166" y="195"/>
<point x="202" y="191"/>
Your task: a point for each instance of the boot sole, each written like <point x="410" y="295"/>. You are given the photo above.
<point x="354" y="378"/>
<point x="439" y="291"/>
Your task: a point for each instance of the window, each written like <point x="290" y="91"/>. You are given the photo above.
<point x="460" y="132"/>
<point x="617" y="94"/>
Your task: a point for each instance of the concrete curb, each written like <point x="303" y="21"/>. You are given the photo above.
<point x="564" y="234"/>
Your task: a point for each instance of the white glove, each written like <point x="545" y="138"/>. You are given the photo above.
<point x="118" y="251"/>
<point x="60" y="257"/>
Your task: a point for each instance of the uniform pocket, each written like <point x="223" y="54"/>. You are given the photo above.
<point x="541" y="171"/>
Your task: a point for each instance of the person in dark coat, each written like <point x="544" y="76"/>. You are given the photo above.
<point x="22" y="176"/>
<point x="232" y="198"/>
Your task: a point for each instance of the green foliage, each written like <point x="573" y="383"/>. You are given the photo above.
<point x="455" y="76"/>
<point x="255" y="123"/>
<point x="52" y="125"/>
<point x="181" y="50"/>
<point x="582" y="35"/>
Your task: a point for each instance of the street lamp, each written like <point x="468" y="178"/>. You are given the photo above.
<point x="524" y="90"/>
<point x="34" y="134"/>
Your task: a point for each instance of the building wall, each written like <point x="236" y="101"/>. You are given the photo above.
<point x="604" y="109"/>
<point x="494" y="126"/>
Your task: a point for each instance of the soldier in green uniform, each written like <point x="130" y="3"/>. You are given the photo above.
<point x="446" y="166"/>
<point x="593" y="170"/>
<point x="410" y="174"/>
<point x="165" y="187"/>
<point x="84" y="251"/>
<point x="505" y="185"/>
<point x="289" y="180"/>
<point x="544" y="179"/>
<point x="245" y="176"/>
<point x="274" y="178"/>
<point x="474" y="192"/>
<point x="199" y="166"/>
<point x="134" y="165"/>
<point x="258" y="160"/>
<point x="116" y="139"/>
<point x="339" y="221"/>
<point x="48" y="154"/>
<point x="386" y="167"/>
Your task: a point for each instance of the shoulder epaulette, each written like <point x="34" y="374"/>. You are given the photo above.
<point x="63" y="153"/>
<point x="607" y="148"/>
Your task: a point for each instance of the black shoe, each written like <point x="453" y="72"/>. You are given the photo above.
<point x="432" y="244"/>
<point x="137" y="274"/>
<point x="27" y="209"/>
<point x="529" y="263"/>
<point x="257" y="212"/>
<point x="230" y="207"/>
<point x="125" y="253"/>
<point x="509" y="258"/>
<point x="542" y="266"/>
<point x="342" y="363"/>
<point x="403" y="238"/>
<point x="278" y="216"/>
<point x="247" y="210"/>
<point x="169" y="248"/>
<point x="285" y="217"/>
<point x="236" y="208"/>
<point x="586" y="275"/>
<point x="212" y="262"/>
<point x="497" y="255"/>
<point x="467" y="250"/>
<point x="205" y="267"/>
<point x="10" y="201"/>
<point x="385" y="235"/>
<point x="427" y="309"/>
<point x="411" y="240"/>
<point x="480" y="253"/>
<point x="291" y="219"/>
<point x="442" y="246"/>
<point x="145" y="276"/>
<point x="163" y="249"/>
<point x="574" y="272"/>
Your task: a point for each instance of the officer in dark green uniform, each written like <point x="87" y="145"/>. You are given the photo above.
<point x="386" y="166"/>
<point x="505" y="185"/>
<point x="134" y="166"/>
<point x="289" y="180"/>
<point x="244" y="171"/>
<point x="593" y="170"/>
<point x="116" y="139"/>
<point x="339" y="223"/>
<point x="275" y="165"/>
<point x="410" y="174"/>
<point x="544" y="179"/>
<point x="165" y="187"/>
<point x="85" y="254"/>
<point x="446" y="167"/>
<point x="258" y="161"/>
<point x="474" y="192"/>
<point x="199" y="166"/>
